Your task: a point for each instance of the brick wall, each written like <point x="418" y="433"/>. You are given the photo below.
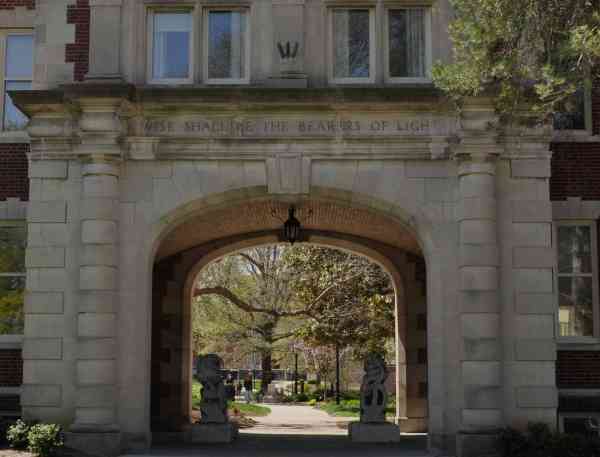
<point x="596" y="108"/>
<point x="10" y="4"/>
<point x="575" y="171"/>
<point x="11" y="368"/>
<point x="578" y="369"/>
<point x="79" y="52"/>
<point x="14" y="171"/>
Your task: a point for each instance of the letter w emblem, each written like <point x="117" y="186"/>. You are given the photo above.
<point x="287" y="50"/>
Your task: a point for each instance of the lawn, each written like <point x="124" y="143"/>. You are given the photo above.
<point x="250" y="409"/>
<point x="350" y="407"/>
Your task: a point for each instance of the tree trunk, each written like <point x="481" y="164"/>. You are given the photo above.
<point x="267" y="373"/>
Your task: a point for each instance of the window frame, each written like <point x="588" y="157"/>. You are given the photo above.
<point x="372" y="45"/>
<point x="4" y="34"/>
<point x="151" y="13"/>
<point x="594" y="338"/>
<point x="205" y="46"/>
<point x="570" y="135"/>
<point x="428" y="45"/>
<point x="18" y="224"/>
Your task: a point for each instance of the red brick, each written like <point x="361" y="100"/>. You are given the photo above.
<point x="578" y="369"/>
<point x="14" y="171"/>
<point x="11" y="4"/>
<point x="11" y="368"/>
<point x="79" y="52"/>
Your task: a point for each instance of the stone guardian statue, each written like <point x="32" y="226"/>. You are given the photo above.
<point x="373" y="396"/>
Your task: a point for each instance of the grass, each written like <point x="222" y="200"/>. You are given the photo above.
<point x="350" y="407"/>
<point x="249" y="409"/>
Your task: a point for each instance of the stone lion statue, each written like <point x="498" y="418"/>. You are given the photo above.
<point x="373" y="396"/>
<point x="213" y="407"/>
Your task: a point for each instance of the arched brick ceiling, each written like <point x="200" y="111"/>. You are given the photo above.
<point x="258" y="216"/>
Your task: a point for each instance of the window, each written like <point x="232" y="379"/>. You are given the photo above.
<point x="171" y="46"/>
<point x="353" y="53"/>
<point x="407" y="44"/>
<point x="12" y="278"/>
<point x="227" y="47"/>
<point x="17" y="75"/>
<point x="577" y="279"/>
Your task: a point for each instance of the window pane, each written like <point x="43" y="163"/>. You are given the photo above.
<point x="172" y="38"/>
<point x="571" y="115"/>
<point x="574" y="249"/>
<point x="407" y="43"/>
<point x="351" y="38"/>
<point x="19" y="56"/>
<point x="14" y="119"/>
<point x="12" y="249"/>
<point x="12" y="290"/>
<point x="227" y="40"/>
<point x="575" y="313"/>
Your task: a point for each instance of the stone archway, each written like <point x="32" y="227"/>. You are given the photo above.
<point x="250" y="224"/>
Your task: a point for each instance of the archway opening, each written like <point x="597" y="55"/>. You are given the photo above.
<point x="203" y="238"/>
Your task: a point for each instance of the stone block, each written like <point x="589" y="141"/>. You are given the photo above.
<point x="526" y="257"/>
<point x="481" y="373"/>
<point x="97" y="349"/>
<point x="482" y="418"/>
<point x="483" y="397"/>
<point x="45" y="257"/>
<point x="485" y="325"/>
<point x="476" y="208"/>
<point x="102" y="416"/>
<point x="99" y="208"/>
<point x="475" y="186"/>
<point x="476" y="445"/>
<point x="533" y="280"/>
<point x="478" y="278"/>
<point x="531" y="211"/>
<point x="479" y="301"/>
<point x="478" y="255"/>
<point x="46" y="279"/>
<point x="41" y="395"/>
<point x="96" y="396"/>
<point x="96" y="372"/>
<point x="95" y="444"/>
<point x="47" y="235"/>
<point x="537" y="397"/>
<point x="535" y="303"/>
<point x="532" y="373"/>
<point x="530" y="168"/>
<point x="98" y="278"/>
<point x="91" y="325"/>
<point x="482" y="349"/>
<point x="99" y="254"/>
<point x="98" y="302"/>
<point x="45" y="326"/>
<point x="384" y="432"/>
<point x="535" y="349"/>
<point x="430" y="169"/>
<point x="44" y="302"/>
<point x="479" y="231"/>
<point x="47" y="212"/>
<point x="55" y="169"/>
<point x="213" y="433"/>
<point x="538" y="325"/>
<point x="439" y="190"/>
<point x="43" y="371"/>
<point x="102" y="186"/>
<point x="532" y="234"/>
<point x="42" y="349"/>
<point x="99" y="232"/>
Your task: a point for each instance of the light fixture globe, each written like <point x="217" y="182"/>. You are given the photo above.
<point x="291" y="227"/>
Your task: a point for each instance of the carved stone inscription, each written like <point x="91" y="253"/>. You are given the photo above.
<point x="306" y="127"/>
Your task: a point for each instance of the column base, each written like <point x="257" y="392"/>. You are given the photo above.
<point x="384" y="432"/>
<point x="483" y="444"/>
<point x="95" y="443"/>
<point x="213" y="433"/>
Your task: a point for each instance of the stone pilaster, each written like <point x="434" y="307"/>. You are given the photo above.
<point x="480" y="319"/>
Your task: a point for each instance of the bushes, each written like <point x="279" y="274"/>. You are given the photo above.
<point x="540" y="441"/>
<point x="41" y="439"/>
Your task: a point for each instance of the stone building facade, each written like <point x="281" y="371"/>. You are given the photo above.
<point x="163" y="134"/>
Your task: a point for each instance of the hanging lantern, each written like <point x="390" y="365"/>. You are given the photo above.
<point x="291" y="227"/>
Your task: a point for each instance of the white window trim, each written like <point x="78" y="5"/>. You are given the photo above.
<point x="226" y="81"/>
<point x="595" y="287"/>
<point x="563" y="416"/>
<point x="151" y="12"/>
<point x="4" y="34"/>
<point x="428" y="46"/>
<point x="372" y="46"/>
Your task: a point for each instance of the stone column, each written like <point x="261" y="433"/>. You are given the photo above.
<point x="481" y="410"/>
<point x="105" y="40"/>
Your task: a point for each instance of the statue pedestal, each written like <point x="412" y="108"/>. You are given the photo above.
<point x="213" y="433"/>
<point x="375" y="432"/>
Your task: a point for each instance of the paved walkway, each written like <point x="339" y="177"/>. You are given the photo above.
<point x="298" y="420"/>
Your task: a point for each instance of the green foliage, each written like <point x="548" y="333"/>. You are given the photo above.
<point x="540" y="441"/>
<point x="17" y="434"/>
<point x="250" y="409"/>
<point x="530" y="50"/>
<point x="350" y="406"/>
<point x="44" y="439"/>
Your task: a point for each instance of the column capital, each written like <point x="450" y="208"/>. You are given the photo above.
<point x="101" y="164"/>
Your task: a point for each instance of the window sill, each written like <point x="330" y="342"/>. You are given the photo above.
<point x="574" y="136"/>
<point x="578" y="344"/>
<point x="14" y="137"/>
<point x="11" y="341"/>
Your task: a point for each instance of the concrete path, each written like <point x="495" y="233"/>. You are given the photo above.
<point x="298" y="420"/>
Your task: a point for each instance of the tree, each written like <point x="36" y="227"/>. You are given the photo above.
<point x="536" y="50"/>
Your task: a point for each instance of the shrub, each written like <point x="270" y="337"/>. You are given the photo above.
<point x="540" y="441"/>
<point x="44" y="439"/>
<point x="17" y="434"/>
<point x="301" y="398"/>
